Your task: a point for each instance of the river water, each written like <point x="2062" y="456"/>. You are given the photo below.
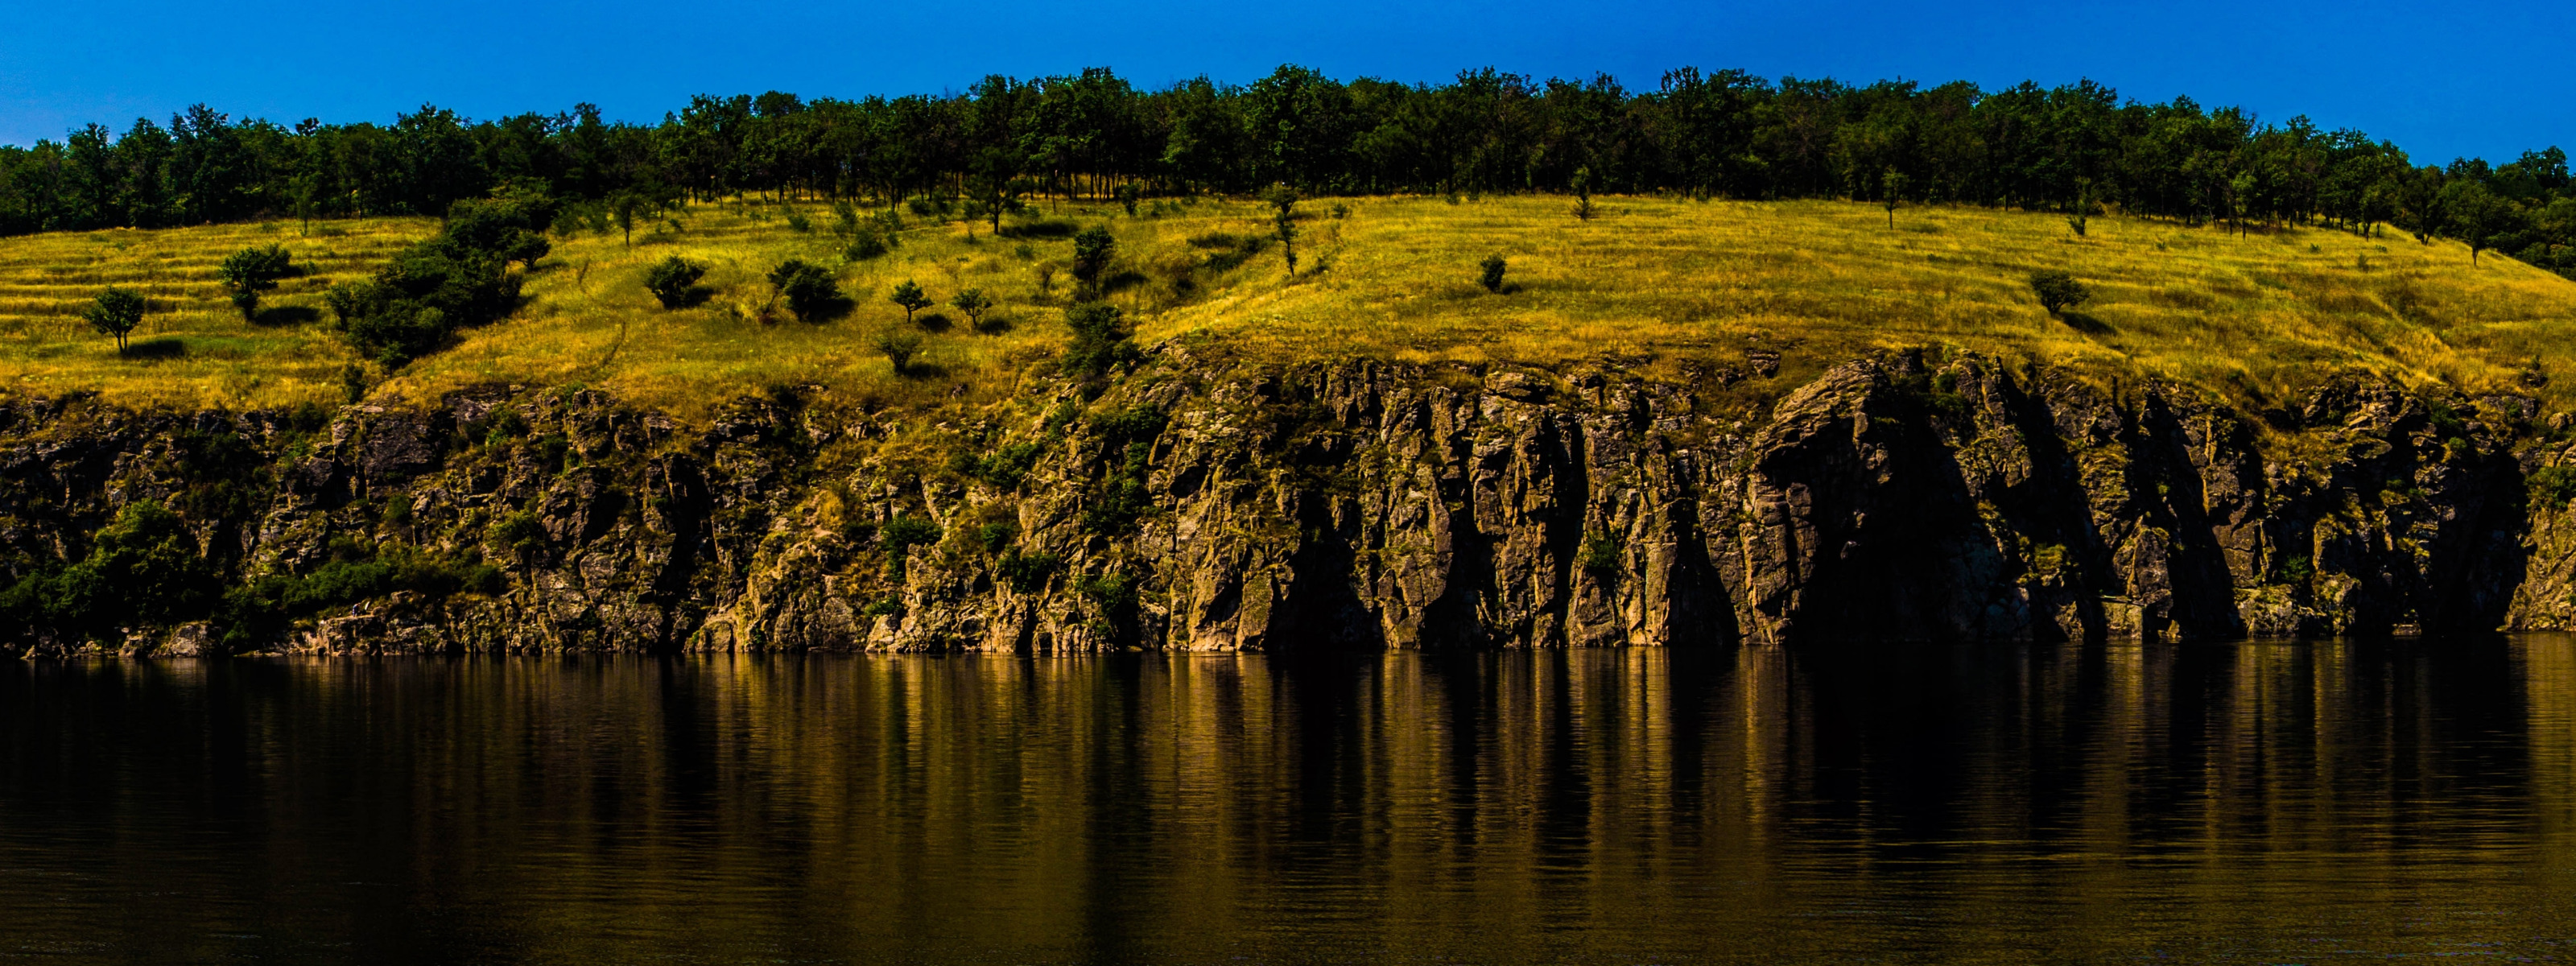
<point x="2077" y="803"/>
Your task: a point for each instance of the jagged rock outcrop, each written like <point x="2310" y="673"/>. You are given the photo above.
<point x="1198" y="504"/>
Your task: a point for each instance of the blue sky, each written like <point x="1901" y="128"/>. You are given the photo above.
<point x="2441" y="84"/>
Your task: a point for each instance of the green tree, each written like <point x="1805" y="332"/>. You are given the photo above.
<point x="974" y="303"/>
<point x="2082" y="211"/>
<point x="250" y="271"/>
<point x="1891" y="192"/>
<point x="1283" y="221"/>
<point x="2476" y="215"/>
<point x="1092" y="250"/>
<point x="674" y="282"/>
<point x="1128" y="194"/>
<point x="115" y="313"/>
<point x="1582" y="194"/>
<point x="911" y="297"/>
<point x="1492" y="277"/>
<point x="2058" y="291"/>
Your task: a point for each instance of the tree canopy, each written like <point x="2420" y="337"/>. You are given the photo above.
<point x="1719" y="134"/>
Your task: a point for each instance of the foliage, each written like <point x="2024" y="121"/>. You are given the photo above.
<point x="1283" y="221"/>
<point x="1721" y="133"/>
<point x="899" y="349"/>
<point x="909" y="295"/>
<point x="1101" y="339"/>
<point x="250" y="271"/>
<point x="1599" y="555"/>
<point x="1092" y="250"/>
<point x="115" y="313"/>
<point x="903" y="533"/>
<point x="810" y="290"/>
<point x="2058" y="291"/>
<point x="674" y="282"/>
<point x="259" y="611"/>
<point x="143" y="569"/>
<point x="974" y="303"/>
<point x="1027" y="573"/>
<point x="1491" y="274"/>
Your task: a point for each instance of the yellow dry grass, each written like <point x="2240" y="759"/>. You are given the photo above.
<point x="2248" y="317"/>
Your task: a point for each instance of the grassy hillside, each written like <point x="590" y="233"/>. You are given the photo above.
<point x="2249" y="317"/>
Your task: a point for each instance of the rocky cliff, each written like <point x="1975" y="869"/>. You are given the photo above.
<point x="1205" y="505"/>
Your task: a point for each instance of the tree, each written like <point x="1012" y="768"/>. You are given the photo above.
<point x="1492" y="278"/>
<point x="1128" y="194"/>
<point x="1092" y="250"/>
<point x="1582" y="195"/>
<point x="810" y="290"/>
<point x="115" y="313"/>
<point x="911" y="298"/>
<point x="2058" y="291"/>
<point x="1100" y="339"/>
<point x="974" y="303"/>
<point x="2476" y="214"/>
<point x="899" y="348"/>
<point x="1283" y="221"/>
<point x="251" y="271"/>
<point x="2083" y="209"/>
<point x="1891" y="190"/>
<point x="674" y="282"/>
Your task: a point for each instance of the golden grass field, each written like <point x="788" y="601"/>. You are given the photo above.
<point x="2247" y="317"/>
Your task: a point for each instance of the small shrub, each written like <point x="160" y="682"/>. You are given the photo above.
<point x="674" y="282"/>
<point x="1092" y="251"/>
<point x="1492" y="279"/>
<point x="903" y="533"/>
<point x="900" y="348"/>
<point x="2553" y="485"/>
<point x="1599" y="555"/>
<point x="798" y="223"/>
<point x="2058" y="291"/>
<point x="1100" y="339"/>
<point x="1027" y="573"/>
<point x="974" y="303"/>
<point x="868" y="245"/>
<point x="910" y="296"/>
<point x="810" y="290"/>
<point x="250" y="271"/>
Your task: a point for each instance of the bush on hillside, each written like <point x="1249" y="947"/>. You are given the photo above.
<point x="2058" y="291"/>
<point x="1492" y="276"/>
<point x="250" y="271"/>
<point x="810" y="290"/>
<point x="674" y="282"/>
<point x="1100" y="339"/>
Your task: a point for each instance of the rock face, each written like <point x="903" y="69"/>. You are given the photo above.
<point x="1202" y="506"/>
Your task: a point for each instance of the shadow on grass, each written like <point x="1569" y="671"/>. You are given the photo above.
<point x="696" y="295"/>
<point x="1123" y="281"/>
<point x="286" y="315"/>
<point x="992" y="325"/>
<point x="166" y="347"/>
<point x="918" y="369"/>
<point x="827" y="310"/>
<point x="933" y="322"/>
<point x="1048" y="228"/>
<point x="2086" y="324"/>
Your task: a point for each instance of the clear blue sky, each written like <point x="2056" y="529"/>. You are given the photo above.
<point x="2491" y="82"/>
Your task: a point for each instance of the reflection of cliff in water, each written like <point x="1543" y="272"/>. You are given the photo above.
<point x="2066" y="801"/>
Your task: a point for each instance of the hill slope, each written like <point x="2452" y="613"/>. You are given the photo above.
<point x="2254" y="319"/>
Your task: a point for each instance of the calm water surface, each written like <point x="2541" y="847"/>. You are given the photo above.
<point x="2090" y="803"/>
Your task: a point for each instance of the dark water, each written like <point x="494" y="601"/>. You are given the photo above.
<point x="2257" y="803"/>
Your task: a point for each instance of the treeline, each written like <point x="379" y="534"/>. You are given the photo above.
<point x="2076" y="149"/>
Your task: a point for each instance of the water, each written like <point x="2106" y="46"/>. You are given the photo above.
<point x="2101" y="803"/>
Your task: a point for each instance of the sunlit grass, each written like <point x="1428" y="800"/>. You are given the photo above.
<point x="1656" y="282"/>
